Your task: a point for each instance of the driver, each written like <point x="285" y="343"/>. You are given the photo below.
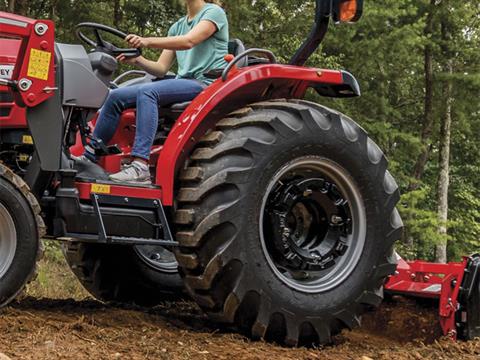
<point x="199" y="43"/>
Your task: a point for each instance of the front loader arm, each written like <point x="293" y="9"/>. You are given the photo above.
<point x="33" y="75"/>
<point x="34" y="84"/>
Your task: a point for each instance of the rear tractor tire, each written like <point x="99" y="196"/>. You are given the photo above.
<point x="140" y="275"/>
<point x="21" y="230"/>
<point x="286" y="220"/>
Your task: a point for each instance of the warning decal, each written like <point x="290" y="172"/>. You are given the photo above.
<point x="39" y="64"/>
<point x="100" y="189"/>
<point x="27" y="139"/>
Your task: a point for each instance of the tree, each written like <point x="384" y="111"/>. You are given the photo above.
<point x="444" y="170"/>
<point x="428" y="115"/>
<point x="402" y="61"/>
<point x="18" y="6"/>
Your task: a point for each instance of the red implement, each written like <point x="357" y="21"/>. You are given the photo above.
<point x="454" y="285"/>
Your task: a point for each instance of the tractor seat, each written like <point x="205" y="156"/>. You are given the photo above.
<point x="235" y="47"/>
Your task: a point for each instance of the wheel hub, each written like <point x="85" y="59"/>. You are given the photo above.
<point x="312" y="224"/>
<point x="158" y="258"/>
<point x="311" y="221"/>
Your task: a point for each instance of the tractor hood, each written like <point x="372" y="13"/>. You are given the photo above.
<point x="8" y="57"/>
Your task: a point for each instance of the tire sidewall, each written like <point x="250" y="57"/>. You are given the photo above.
<point x="116" y="273"/>
<point x="347" y="156"/>
<point x="24" y="260"/>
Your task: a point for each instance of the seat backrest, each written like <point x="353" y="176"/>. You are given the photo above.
<point x="236" y="47"/>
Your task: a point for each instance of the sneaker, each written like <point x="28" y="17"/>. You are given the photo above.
<point x="88" y="156"/>
<point x="135" y="173"/>
<point x="81" y="158"/>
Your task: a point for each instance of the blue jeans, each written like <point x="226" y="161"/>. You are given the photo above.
<point x="146" y="98"/>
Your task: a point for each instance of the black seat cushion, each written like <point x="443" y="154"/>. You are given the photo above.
<point x="236" y="47"/>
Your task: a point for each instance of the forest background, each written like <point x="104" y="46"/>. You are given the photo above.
<point x="418" y="65"/>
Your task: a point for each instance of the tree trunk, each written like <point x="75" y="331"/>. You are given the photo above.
<point x="444" y="157"/>
<point x="428" y="120"/>
<point x="117" y="15"/>
<point x="19" y="7"/>
<point x="53" y="10"/>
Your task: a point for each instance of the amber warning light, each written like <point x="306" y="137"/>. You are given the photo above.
<point x="348" y="11"/>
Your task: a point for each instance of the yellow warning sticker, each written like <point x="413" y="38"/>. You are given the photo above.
<point x="39" y="64"/>
<point x="27" y="139"/>
<point x="23" y="157"/>
<point x="100" y="189"/>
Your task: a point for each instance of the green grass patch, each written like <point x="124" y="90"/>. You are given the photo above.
<point x="55" y="280"/>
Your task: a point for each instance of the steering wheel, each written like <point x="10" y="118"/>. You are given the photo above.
<point x="99" y="44"/>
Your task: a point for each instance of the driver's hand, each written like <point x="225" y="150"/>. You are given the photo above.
<point x="127" y="60"/>
<point x="136" y="41"/>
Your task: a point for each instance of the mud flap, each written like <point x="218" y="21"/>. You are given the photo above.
<point x="468" y="316"/>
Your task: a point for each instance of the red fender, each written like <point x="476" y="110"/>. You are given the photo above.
<point x="246" y="86"/>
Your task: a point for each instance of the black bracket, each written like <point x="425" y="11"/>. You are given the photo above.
<point x="156" y="205"/>
<point x="468" y="316"/>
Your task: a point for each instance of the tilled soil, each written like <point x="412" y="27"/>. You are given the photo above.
<point x="67" y="329"/>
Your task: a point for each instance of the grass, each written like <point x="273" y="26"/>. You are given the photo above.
<point x="55" y="280"/>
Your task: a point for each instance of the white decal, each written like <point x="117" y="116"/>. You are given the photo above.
<point x="6" y="71"/>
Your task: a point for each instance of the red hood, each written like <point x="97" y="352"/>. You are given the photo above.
<point x="9" y="50"/>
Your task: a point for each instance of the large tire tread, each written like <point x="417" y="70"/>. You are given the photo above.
<point x="115" y="274"/>
<point x="20" y="185"/>
<point x="208" y="204"/>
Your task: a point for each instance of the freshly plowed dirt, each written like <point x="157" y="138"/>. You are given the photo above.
<point x="67" y="329"/>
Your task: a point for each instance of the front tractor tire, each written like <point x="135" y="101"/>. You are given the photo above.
<point x="286" y="220"/>
<point x="21" y="230"/>
<point x="140" y="275"/>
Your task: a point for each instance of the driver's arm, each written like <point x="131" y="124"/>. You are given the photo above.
<point x="201" y="32"/>
<point x="156" y="68"/>
<point x="160" y="67"/>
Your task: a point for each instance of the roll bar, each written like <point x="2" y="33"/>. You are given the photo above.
<point x="324" y="10"/>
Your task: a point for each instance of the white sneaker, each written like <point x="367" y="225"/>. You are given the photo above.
<point x="135" y="173"/>
<point x="81" y="158"/>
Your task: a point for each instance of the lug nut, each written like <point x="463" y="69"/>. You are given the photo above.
<point x="307" y="193"/>
<point x="155" y="257"/>
<point x="336" y="219"/>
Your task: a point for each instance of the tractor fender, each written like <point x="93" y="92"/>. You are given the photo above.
<point x="243" y="87"/>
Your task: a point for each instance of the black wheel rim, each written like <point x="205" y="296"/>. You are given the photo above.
<point x="158" y="258"/>
<point x="312" y="224"/>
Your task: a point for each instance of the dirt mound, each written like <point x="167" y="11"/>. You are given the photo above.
<point x="52" y="329"/>
<point x="402" y="320"/>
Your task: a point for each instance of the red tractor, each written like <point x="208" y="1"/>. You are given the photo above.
<point x="275" y="214"/>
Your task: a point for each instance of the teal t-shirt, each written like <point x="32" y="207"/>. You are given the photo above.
<point x="208" y="55"/>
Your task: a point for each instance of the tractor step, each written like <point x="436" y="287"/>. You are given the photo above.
<point x="156" y="205"/>
<point x="110" y="219"/>
<point x="117" y="240"/>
